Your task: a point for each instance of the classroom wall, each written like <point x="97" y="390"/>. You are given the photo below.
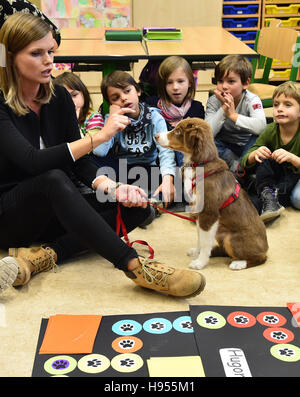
<point x="176" y="13"/>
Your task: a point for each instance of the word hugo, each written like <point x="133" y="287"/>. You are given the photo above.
<point x="191" y="188"/>
<point x="234" y="362"/>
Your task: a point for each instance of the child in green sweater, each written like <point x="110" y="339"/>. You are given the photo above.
<point x="276" y="154"/>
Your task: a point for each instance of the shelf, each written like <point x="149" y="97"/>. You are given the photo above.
<point x="282" y="2"/>
<point x="240" y="2"/>
<point x="241" y="29"/>
<point x="234" y="16"/>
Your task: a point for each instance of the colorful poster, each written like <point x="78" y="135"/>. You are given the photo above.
<point x="117" y="17"/>
<point x="89" y="13"/>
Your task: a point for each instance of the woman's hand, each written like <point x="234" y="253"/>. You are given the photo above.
<point x="131" y="196"/>
<point x="117" y="121"/>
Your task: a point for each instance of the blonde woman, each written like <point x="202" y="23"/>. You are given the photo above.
<point x="40" y="145"/>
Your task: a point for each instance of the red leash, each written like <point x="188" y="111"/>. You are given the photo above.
<point x="121" y="225"/>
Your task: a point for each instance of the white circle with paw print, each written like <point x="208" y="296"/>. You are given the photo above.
<point x="127" y="362"/>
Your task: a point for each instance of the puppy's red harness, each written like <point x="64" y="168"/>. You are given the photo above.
<point x="121" y="225"/>
<point x="234" y="196"/>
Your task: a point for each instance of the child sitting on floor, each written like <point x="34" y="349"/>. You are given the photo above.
<point x="176" y="93"/>
<point x="89" y="120"/>
<point x="235" y="115"/>
<point x="136" y="143"/>
<point x="276" y="154"/>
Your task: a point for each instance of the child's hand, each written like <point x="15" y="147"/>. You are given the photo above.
<point x="261" y="153"/>
<point x="281" y="156"/>
<point x="168" y="190"/>
<point x="229" y="106"/>
<point x="219" y="95"/>
<point x="114" y="109"/>
<point x="131" y="196"/>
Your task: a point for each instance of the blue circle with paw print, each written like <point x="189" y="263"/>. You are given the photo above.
<point x="183" y="324"/>
<point x="126" y="327"/>
<point x="157" y="325"/>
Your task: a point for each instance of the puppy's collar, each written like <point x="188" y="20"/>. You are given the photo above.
<point x="195" y="165"/>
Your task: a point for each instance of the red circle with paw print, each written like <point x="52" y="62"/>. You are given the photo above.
<point x="278" y="335"/>
<point x="241" y="319"/>
<point x="271" y="319"/>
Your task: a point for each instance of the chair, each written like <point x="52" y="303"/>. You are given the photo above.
<point x="273" y="43"/>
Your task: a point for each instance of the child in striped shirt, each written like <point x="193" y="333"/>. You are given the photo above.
<point x="89" y="120"/>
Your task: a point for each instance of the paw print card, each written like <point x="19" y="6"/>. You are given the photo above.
<point x="247" y="341"/>
<point x="122" y="346"/>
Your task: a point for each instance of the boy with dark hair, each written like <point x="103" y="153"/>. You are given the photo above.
<point x="235" y="115"/>
<point x="136" y="143"/>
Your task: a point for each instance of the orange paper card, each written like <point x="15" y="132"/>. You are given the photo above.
<point x="70" y="334"/>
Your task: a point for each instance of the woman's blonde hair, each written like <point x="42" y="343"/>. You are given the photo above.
<point x="167" y="67"/>
<point x="289" y="89"/>
<point x="18" y="31"/>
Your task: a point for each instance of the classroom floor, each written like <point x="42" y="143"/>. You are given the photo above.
<point x="91" y="285"/>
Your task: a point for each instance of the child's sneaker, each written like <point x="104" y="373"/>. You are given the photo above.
<point x="8" y="272"/>
<point x="161" y="278"/>
<point x="271" y="208"/>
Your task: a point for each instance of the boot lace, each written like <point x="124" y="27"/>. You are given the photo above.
<point x="44" y="262"/>
<point x="153" y="275"/>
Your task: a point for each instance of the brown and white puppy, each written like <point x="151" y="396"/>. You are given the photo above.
<point x="237" y="228"/>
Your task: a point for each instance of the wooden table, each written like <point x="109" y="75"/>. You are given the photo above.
<point x="82" y="33"/>
<point x="97" y="51"/>
<point x="200" y="43"/>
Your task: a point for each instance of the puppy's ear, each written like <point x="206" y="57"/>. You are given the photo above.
<point x="201" y="142"/>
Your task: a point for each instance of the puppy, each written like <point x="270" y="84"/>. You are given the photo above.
<point x="226" y="214"/>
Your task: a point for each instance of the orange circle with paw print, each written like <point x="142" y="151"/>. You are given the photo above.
<point x="127" y="344"/>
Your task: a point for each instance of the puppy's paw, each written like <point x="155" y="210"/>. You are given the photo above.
<point x="193" y="252"/>
<point x="238" y="265"/>
<point x="198" y="264"/>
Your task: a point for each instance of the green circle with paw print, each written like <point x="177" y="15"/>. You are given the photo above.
<point x="211" y="320"/>
<point x="286" y="352"/>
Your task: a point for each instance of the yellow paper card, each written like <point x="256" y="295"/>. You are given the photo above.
<point x="186" y="366"/>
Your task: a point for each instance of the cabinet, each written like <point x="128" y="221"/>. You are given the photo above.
<point x="242" y="19"/>
<point x="287" y="11"/>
